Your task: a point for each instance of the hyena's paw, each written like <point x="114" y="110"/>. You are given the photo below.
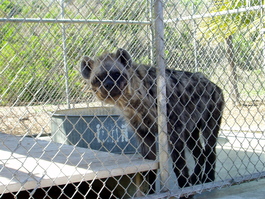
<point x="194" y="179"/>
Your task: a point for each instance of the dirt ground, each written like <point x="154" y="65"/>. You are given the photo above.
<point x="249" y="116"/>
<point x="30" y="120"/>
<point x="36" y="120"/>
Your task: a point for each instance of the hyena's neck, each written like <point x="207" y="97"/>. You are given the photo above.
<point x="140" y="111"/>
<point x="140" y="117"/>
<point x="138" y="101"/>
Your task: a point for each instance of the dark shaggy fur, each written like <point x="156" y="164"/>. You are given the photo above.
<point x="194" y="105"/>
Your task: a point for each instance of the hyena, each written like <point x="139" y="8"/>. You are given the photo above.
<point x="194" y="106"/>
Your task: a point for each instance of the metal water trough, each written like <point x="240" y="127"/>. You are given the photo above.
<point x="99" y="128"/>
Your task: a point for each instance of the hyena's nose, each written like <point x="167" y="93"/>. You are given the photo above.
<point x="108" y="84"/>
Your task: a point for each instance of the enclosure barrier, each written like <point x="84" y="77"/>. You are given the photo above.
<point x="59" y="141"/>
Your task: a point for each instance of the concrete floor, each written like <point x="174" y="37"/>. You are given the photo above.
<point x="239" y="154"/>
<point x="247" y="156"/>
<point x="249" y="190"/>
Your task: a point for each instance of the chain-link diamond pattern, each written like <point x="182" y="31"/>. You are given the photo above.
<point x="63" y="137"/>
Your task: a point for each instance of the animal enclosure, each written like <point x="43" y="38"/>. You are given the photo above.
<point x="42" y="44"/>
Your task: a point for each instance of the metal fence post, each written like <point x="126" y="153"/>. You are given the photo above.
<point x="67" y="92"/>
<point x="161" y="90"/>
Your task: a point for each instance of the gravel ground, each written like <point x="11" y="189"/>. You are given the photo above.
<point x="35" y="120"/>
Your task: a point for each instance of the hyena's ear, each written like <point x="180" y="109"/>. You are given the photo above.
<point x="124" y="57"/>
<point x="86" y="67"/>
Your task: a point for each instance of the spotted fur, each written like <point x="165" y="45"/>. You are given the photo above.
<point x="194" y="106"/>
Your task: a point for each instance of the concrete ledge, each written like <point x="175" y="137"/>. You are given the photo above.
<point x="28" y="163"/>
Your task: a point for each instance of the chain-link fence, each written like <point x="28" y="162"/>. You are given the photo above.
<point x="132" y="129"/>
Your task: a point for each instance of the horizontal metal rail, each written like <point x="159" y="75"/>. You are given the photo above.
<point x="132" y="22"/>
<point x="79" y="21"/>
<point x="215" y="14"/>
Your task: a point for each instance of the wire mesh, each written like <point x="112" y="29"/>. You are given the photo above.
<point x="61" y="138"/>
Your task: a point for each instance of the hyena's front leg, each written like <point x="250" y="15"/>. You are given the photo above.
<point x="148" y="151"/>
<point x="179" y="162"/>
<point x="148" y="145"/>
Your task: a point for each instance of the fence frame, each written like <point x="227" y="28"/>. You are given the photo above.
<point x="156" y="24"/>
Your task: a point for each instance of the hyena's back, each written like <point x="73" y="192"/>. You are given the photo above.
<point x="192" y="100"/>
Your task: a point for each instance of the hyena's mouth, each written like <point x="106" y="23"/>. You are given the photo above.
<point x="114" y="92"/>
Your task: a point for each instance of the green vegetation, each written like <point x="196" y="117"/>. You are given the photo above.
<point x="32" y="55"/>
<point x="241" y="32"/>
<point x="32" y="68"/>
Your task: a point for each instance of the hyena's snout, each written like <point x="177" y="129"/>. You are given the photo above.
<point x="113" y="88"/>
<point x="109" y="85"/>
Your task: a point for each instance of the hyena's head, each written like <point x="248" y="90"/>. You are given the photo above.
<point x="108" y="74"/>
